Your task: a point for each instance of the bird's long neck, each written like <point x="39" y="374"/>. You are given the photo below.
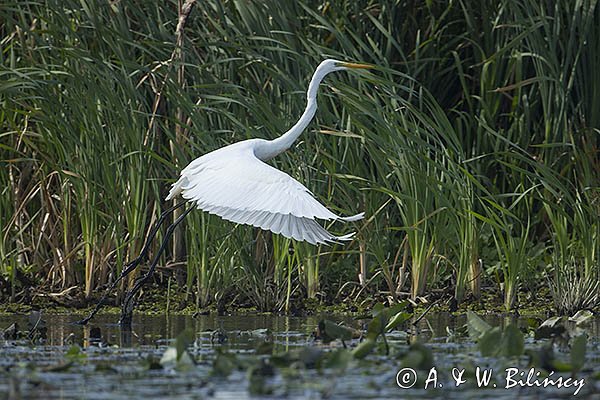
<point x="286" y="140"/>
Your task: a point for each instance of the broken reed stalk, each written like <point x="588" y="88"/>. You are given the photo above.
<point x="179" y="252"/>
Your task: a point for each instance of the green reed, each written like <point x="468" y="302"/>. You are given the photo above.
<point x="470" y="101"/>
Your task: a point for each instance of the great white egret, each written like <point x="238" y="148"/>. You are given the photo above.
<point x="235" y="183"/>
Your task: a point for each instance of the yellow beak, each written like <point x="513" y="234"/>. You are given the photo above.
<point x="356" y="65"/>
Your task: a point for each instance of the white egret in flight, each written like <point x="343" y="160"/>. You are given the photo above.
<point x="235" y="183"/>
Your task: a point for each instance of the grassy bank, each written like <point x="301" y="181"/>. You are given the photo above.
<point x="473" y="148"/>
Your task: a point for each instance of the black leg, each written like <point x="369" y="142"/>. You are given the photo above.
<point x="127" y="307"/>
<point x="130" y="266"/>
<point x="134" y="263"/>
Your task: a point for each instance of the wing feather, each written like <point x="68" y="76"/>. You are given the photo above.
<point x="235" y="185"/>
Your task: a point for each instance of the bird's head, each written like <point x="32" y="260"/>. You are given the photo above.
<point x="330" y="65"/>
<point x="323" y="69"/>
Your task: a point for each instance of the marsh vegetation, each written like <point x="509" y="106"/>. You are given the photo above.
<point x="473" y="148"/>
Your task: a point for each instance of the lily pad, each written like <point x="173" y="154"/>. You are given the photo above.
<point x="328" y="331"/>
<point x="418" y="357"/>
<point x="364" y="348"/>
<point x="513" y="342"/>
<point x="264" y="348"/>
<point x="398" y="319"/>
<point x="495" y="341"/>
<point x="177" y="356"/>
<point x="75" y="354"/>
<point x="476" y="326"/>
<point x="489" y="340"/>
<point x="337" y="359"/>
<point x="578" y="350"/>
<point x="257" y="378"/>
<point x="224" y="363"/>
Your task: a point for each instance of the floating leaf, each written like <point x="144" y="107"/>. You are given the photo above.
<point x="182" y="342"/>
<point x="364" y="348"/>
<point x="532" y="323"/>
<point x="310" y="356"/>
<point x="578" y="350"/>
<point x="337" y="359"/>
<point x="169" y="357"/>
<point x="329" y="331"/>
<point x="476" y="326"/>
<point x="257" y="375"/>
<point x="560" y="366"/>
<point x="376" y="326"/>
<point x="398" y="319"/>
<point x="75" y="354"/>
<point x="177" y="356"/>
<point x="513" y="342"/>
<point x="224" y="363"/>
<point x="384" y="319"/>
<point x="488" y="342"/>
<point x="284" y="359"/>
<point x="418" y="357"/>
<point x="542" y="358"/>
<point x="264" y="348"/>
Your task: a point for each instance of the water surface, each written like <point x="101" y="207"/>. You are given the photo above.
<point x="116" y="365"/>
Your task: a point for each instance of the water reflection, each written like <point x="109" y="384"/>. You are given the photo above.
<point x="151" y="330"/>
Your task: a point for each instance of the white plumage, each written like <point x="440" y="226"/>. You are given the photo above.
<point x="236" y="184"/>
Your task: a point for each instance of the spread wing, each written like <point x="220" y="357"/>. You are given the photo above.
<point x="235" y="185"/>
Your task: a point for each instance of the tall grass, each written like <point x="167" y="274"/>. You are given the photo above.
<point x="474" y="107"/>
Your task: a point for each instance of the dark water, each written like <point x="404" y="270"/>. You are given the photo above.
<point x="116" y="366"/>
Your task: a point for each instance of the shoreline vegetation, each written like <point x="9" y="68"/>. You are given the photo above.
<point x="473" y="148"/>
